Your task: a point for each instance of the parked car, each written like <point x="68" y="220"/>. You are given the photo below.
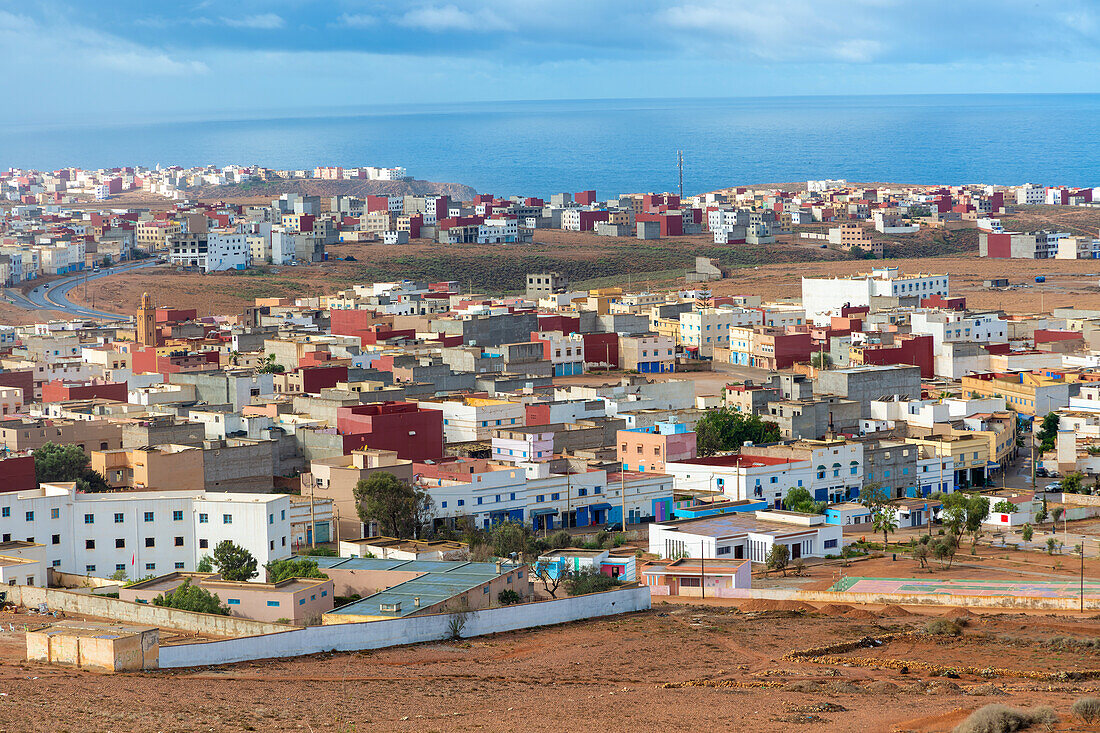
<point x="613" y="527"/>
<point x="1056" y="486"/>
<point x="1040" y="471"/>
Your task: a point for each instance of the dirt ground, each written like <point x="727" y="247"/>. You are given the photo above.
<point x="672" y="668"/>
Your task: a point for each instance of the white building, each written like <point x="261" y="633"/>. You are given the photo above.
<point x="143" y="533"/>
<point x="469" y="419"/>
<point x="704" y="330"/>
<point x="955" y="327"/>
<point x="745" y="536"/>
<point x="1030" y="195"/>
<point x="741" y="477"/>
<point x="824" y="297"/>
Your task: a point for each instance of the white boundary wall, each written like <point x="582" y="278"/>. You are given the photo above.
<point x="408" y="630"/>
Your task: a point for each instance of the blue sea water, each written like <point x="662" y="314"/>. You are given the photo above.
<point x="621" y="146"/>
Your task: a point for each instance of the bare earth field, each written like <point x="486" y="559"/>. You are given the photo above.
<point x="673" y="668"/>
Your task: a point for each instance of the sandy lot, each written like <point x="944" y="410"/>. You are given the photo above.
<point x="672" y="668"/>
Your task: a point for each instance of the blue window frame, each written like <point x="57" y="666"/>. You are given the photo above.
<point x="273" y="603"/>
<point x="177" y="515"/>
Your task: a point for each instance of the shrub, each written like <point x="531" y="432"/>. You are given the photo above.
<point x="925" y="539"/>
<point x="187" y="597"/>
<point x="1087" y="709"/>
<point x="1028" y="532"/>
<point x="1000" y="719"/>
<point x="940" y="533"/>
<point x="507" y="597"/>
<point x="589" y="581"/>
<point x="943" y="627"/>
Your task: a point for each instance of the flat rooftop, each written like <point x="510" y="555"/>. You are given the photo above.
<point x="739" y="523"/>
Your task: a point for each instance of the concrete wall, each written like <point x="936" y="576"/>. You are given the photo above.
<point x="139" y="613"/>
<point x="1033" y="603"/>
<point x="410" y="630"/>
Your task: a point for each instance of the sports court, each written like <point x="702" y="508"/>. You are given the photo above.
<point x="963" y="587"/>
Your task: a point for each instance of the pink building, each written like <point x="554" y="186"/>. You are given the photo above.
<point x="648" y="449"/>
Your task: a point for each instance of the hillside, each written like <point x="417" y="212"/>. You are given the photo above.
<point x="309" y="187"/>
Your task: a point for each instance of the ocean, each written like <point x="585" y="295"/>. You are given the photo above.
<point x="623" y="146"/>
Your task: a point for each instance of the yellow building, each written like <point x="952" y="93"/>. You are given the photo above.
<point x="969" y="451"/>
<point x="1028" y="393"/>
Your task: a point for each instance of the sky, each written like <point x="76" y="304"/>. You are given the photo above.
<point x="113" y="61"/>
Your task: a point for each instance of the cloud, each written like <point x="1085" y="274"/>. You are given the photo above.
<point x="148" y="63"/>
<point x="357" y="20"/>
<point x="261" y="21"/>
<point x="439" y="18"/>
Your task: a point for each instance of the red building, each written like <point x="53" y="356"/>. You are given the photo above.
<point x="672" y="222"/>
<point x="24" y="379"/>
<point x="316" y="378"/>
<point x="915" y="350"/>
<point x="145" y="360"/>
<point x="938" y="301"/>
<point x="601" y="351"/>
<point x="17" y="474"/>
<point x="176" y="315"/>
<point x="558" y="322"/>
<point x="585" y="198"/>
<point x="61" y="391"/>
<point x="404" y="427"/>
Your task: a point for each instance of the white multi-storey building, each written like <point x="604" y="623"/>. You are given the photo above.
<point x="955" y="327"/>
<point x="1030" y="195"/>
<point x="824" y="297"/>
<point x="143" y="533"/>
<point x="704" y="330"/>
<point x="467" y="419"/>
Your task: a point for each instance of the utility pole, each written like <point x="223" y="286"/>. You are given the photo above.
<point x="622" y="492"/>
<point x="680" y="163"/>
<point x="312" y="514"/>
<point x="1082" y="574"/>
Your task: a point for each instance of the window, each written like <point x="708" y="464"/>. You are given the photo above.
<point x="179" y="542"/>
<point x="540" y="497"/>
<point x="148" y="516"/>
<point x="118" y="518"/>
<point x="227" y="519"/>
<point x="324" y="593"/>
<point x="462" y="502"/>
<point x="203" y="544"/>
<point x="830" y="544"/>
<point x="89" y="569"/>
<point x="150" y="542"/>
<point x="55" y="539"/>
<point x="479" y="500"/>
<point x="150" y="566"/>
<point x="234" y="601"/>
<point x="178" y="566"/>
<point x="273" y="603"/>
<point x="724" y="550"/>
<point x="485" y="590"/>
<point x="30" y="516"/>
<point x="282" y="514"/>
<point x="284" y="541"/>
<point x="120" y="543"/>
<point x="301" y="601"/>
<point x="204" y="518"/>
<point x="271" y="519"/>
<point x="120" y="567"/>
<point x="89" y="544"/>
<point x="177" y="515"/>
<point x="55" y="513"/>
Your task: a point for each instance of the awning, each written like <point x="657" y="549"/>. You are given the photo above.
<point x="598" y="507"/>
<point x="543" y="512"/>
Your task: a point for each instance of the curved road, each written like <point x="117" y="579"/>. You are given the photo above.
<point x="54" y="295"/>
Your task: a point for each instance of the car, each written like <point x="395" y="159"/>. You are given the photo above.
<point x="1041" y="471"/>
<point x="1056" y="486"/>
<point x="613" y="527"/>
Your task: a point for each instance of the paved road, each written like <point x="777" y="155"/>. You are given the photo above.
<point x="54" y="295"/>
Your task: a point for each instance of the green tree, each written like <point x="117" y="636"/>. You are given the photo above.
<point x="269" y="366"/>
<point x="965" y="512"/>
<point x="873" y="496"/>
<point x="885" y="520"/>
<point x="1004" y="506"/>
<point x="916" y="211"/>
<point x="1051" y="544"/>
<point x="589" y="580"/>
<point x="821" y="360"/>
<point x="294" y="567"/>
<point x="1041" y="515"/>
<point x="1071" y="483"/>
<point x="506" y="538"/>
<point x="798" y="499"/>
<point x="205" y="565"/>
<point x="920" y="554"/>
<point x="507" y="597"/>
<point x="1028" y="532"/>
<point x="187" y="597"/>
<point x="234" y="562"/>
<point x="778" y="557"/>
<point x="727" y="430"/>
<point x="1057" y="514"/>
<point x="401" y="510"/>
<point x="944" y="552"/>
<point x="61" y="463"/>
<point x="1048" y="432"/>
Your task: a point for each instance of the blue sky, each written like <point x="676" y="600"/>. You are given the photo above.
<point x="110" y="61"/>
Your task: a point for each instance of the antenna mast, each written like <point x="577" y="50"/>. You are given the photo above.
<point x="680" y="163"/>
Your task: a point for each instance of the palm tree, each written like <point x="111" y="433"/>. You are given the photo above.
<point x="885" y="521"/>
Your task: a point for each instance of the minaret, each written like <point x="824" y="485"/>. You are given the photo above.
<point x="146" y="325"/>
